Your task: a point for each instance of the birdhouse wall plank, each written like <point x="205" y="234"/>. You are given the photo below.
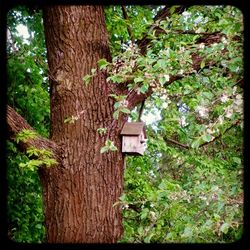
<point x="133" y="138"/>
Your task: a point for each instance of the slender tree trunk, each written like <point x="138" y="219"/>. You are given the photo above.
<point x="80" y="192"/>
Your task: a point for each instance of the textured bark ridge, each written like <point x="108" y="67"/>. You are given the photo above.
<point x="79" y="194"/>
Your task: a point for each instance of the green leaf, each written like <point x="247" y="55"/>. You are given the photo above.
<point x="109" y="145"/>
<point x="207" y="138"/>
<point x="25" y="135"/>
<point x="49" y="162"/>
<point x="102" y="131"/>
<point x="144" y="213"/>
<point x="162" y="80"/>
<point x="113" y="148"/>
<point x="67" y="120"/>
<point x="188" y="232"/>
<point x="202" y="64"/>
<point x="140" y="230"/>
<point x="115" y="79"/>
<point x="103" y="63"/>
<point x="125" y="110"/>
<point x="138" y="79"/>
<point x="144" y="88"/>
<point x="117" y="105"/>
<point x="71" y="119"/>
<point x="104" y="149"/>
<point x="224" y="228"/>
<point x="208" y="95"/>
<point x="196" y="143"/>
<point x="237" y="160"/>
<point x="116" y="114"/>
<point x="148" y="238"/>
<point x="87" y="79"/>
<point x="162" y="63"/>
<point x="22" y="165"/>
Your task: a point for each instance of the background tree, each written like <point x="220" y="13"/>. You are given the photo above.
<point x="188" y="61"/>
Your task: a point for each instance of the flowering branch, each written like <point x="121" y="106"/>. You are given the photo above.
<point x="203" y="144"/>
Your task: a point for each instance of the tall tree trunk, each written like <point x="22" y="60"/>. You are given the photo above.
<point x="80" y="192"/>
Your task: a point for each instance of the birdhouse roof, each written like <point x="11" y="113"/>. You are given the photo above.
<point x="133" y="128"/>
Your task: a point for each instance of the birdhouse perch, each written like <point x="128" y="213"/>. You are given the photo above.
<point x="133" y="138"/>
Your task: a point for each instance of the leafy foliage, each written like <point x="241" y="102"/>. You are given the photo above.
<point x="192" y="190"/>
<point x="24" y="203"/>
<point x="42" y="157"/>
<point x="28" y="93"/>
<point x="25" y="135"/>
<point x="109" y="146"/>
<point x="163" y="202"/>
<point x="27" y="70"/>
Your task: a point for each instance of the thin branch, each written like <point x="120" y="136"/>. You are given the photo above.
<point x="135" y="98"/>
<point x="220" y="135"/>
<point x="203" y="144"/>
<point x="141" y="110"/>
<point x="176" y="143"/>
<point x="125" y="15"/>
<point x="161" y="15"/>
<point x="240" y="83"/>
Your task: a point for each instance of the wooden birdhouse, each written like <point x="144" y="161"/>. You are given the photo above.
<point x="133" y="138"/>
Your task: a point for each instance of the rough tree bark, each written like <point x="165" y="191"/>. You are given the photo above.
<point x="80" y="192"/>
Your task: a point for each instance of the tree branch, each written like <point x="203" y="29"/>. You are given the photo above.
<point x="141" y="110"/>
<point x="206" y="37"/>
<point x="135" y="98"/>
<point x="162" y="14"/>
<point x="220" y="135"/>
<point x="176" y="143"/>
<point x="203" y="144"/>
<point x="16" y="123"/>
<point x="125" y="15"/>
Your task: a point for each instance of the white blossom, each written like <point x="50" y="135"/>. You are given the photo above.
<point x="203" y="197"/>
<point x="182" y="49"/>
<point x="201" y="46"/>
<point x="209" y="131"/>
<point x="126" y="206"/>
<point x="181" y="72"/>
<point x="224" y="40"/>
<point x="198" y="19"/>
<point x="224" y="64"/>
<point x="202" y="111"/>
<point x="164" y="105"/>
<point x="224" y="98"/>
<point x="153" y="215"/>
<point x="183" y="122"/>
<point x="166" y="77"/>
<point x="229" y="112"/>
<point x="199" y="30"/>
<point x="237" y="69"/>
<point x="186" y="14"/>
<point x="234" y="89"/>
<point x="220" y="119"/>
